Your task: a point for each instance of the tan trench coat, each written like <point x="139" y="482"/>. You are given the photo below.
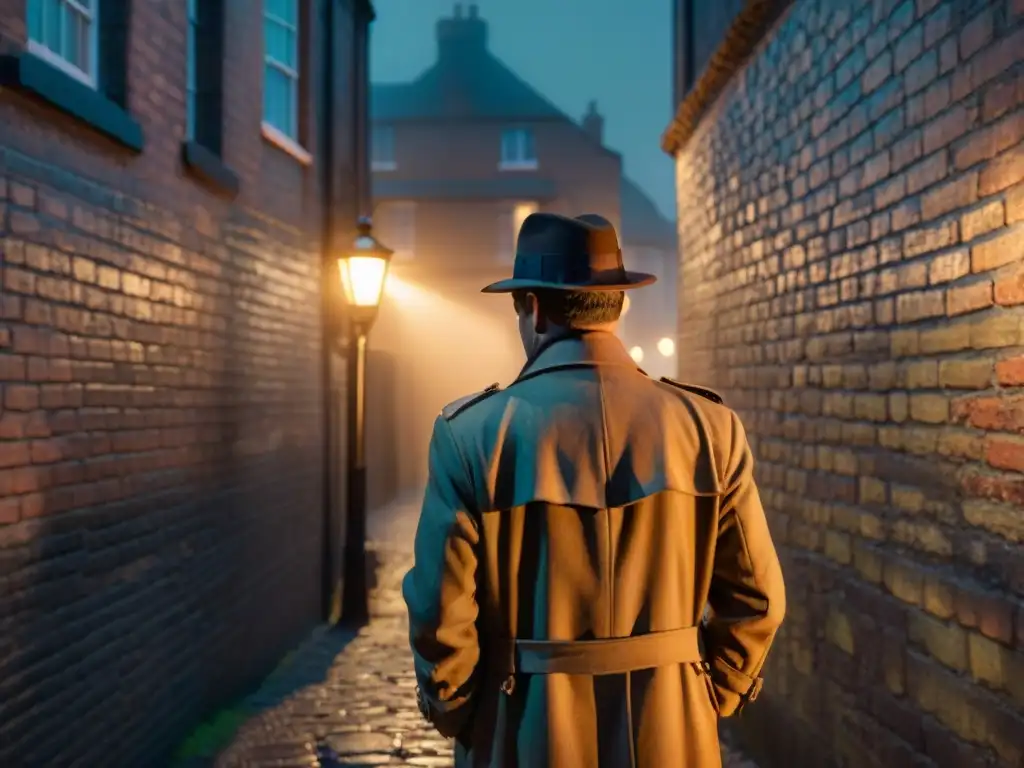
<point x="587" y="502"/>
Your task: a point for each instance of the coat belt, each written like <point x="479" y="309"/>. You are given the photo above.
<point x="602" y="657"/>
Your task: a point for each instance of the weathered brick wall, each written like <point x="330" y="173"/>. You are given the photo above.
<point x="161" y="419"/>
<point x="852" y="235"/>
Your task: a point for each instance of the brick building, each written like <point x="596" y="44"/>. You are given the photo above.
<point x="167" y="480"/>
<point x="649" y="245"/>
<point x="851" y="215"/>
<point x="461" y="155"/>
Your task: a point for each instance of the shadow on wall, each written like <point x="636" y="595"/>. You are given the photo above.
<point x="444" y="341"/>
<point x="176" y="509"/>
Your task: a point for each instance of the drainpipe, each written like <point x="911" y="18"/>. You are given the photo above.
<point x="332" y="322"/>
<point x="354" y="601"/>
<point x="329" y="594"/>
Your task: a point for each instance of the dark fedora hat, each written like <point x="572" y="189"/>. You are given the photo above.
<point x="580" y="254"/>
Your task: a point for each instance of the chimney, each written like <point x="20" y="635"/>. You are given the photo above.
<point x="461" y="37"/>
<point x="593" y="123"/>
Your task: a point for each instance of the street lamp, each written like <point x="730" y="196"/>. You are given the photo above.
<point x="637" y="354"/>
<point x="362" y="271"/>
<point x="666" y="346"/>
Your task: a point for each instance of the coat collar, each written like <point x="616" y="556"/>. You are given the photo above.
<point x="579" y="349"/>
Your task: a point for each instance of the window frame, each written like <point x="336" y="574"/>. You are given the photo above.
<point x="202" y="148"/>
<point x="389" y="163"/>
<point x="90" y="9"/>
<point x="277" y="135"/>
<point x="204" y="73"/>
<point x="523" y="161"/>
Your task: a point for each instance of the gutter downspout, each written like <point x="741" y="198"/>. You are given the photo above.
<point x="330" y="595"/>
<point x="332" y="322"/>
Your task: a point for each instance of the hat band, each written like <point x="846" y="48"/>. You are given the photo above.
<point x="560" y="268"/>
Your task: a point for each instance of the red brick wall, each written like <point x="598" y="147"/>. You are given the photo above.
<point x="161" y="427"/>
<point x="852" y="228"/>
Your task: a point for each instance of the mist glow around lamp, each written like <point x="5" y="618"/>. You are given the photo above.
<point x="363" y="271"/>
<point x="667" y="347"/>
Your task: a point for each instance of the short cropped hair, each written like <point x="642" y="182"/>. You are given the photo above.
<point x="574" y="308"/>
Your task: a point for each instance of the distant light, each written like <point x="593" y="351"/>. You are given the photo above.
<point x="625" y="306"/>
<point x="637" y="354"/>
<point x="520" y="214"/>
<point x="667" y="347"/>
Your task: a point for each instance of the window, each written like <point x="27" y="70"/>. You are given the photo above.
<point x="190" y="69"/>
<point x="75" y="58"/>
<point x="509" y="224"/>
<point x="517" y="152"/>
<point x="397" y="223"/>
<point x="204" y="73"/>
<point x="65" y="33"/>
<point x="204" y="94"/>
<point x="281" y="70"/>
<point x="382" y="148"/>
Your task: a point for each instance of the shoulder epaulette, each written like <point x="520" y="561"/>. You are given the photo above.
<point x="453" y="409"/>
<point x="710" y="394"/>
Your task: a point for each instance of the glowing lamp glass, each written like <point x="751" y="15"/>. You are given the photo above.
<point x="666" y="347"/>
<point x="362" y="279"/>
<point x="637" y="354"/>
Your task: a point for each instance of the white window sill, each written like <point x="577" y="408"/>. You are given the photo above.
<point x="286" y="143"/>
<point x="383" y="165"/>
<point x="55" y="60"/>
<point x="519" y="165"/>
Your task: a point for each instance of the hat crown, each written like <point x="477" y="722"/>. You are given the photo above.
<point x="550" y="233"/>
<point x="562" y="253"/>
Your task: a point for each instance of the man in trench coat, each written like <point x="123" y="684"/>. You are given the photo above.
<point x="575" y="526"/>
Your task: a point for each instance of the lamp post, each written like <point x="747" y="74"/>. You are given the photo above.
<point x="362" y="271"/>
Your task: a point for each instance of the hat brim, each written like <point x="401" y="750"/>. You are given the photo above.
<point x="633" y="280"/>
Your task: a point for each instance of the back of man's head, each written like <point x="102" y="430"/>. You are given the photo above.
<point x="574" y="309"/>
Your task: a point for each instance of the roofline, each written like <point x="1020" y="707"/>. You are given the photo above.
<point x="748" y="28"/>
<point x="473" y="119"/>
<point x="561" y="118"/>
<point x="383" y="197"/>
<point x="666" y="245"/>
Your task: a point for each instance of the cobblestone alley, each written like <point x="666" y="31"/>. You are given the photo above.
<point x="346" y="698"/>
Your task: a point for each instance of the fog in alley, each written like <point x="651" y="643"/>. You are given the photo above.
<point x="215" y="411"/>
<point x="482" y="113"/>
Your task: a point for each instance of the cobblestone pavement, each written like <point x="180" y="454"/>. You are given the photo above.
<point x="347" y="698"/>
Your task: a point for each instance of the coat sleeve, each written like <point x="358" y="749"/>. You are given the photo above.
<point x="747" y="596"/>
<point x="440" y="589"/>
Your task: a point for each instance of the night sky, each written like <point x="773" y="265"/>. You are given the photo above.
<point x="571" y="51"/>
